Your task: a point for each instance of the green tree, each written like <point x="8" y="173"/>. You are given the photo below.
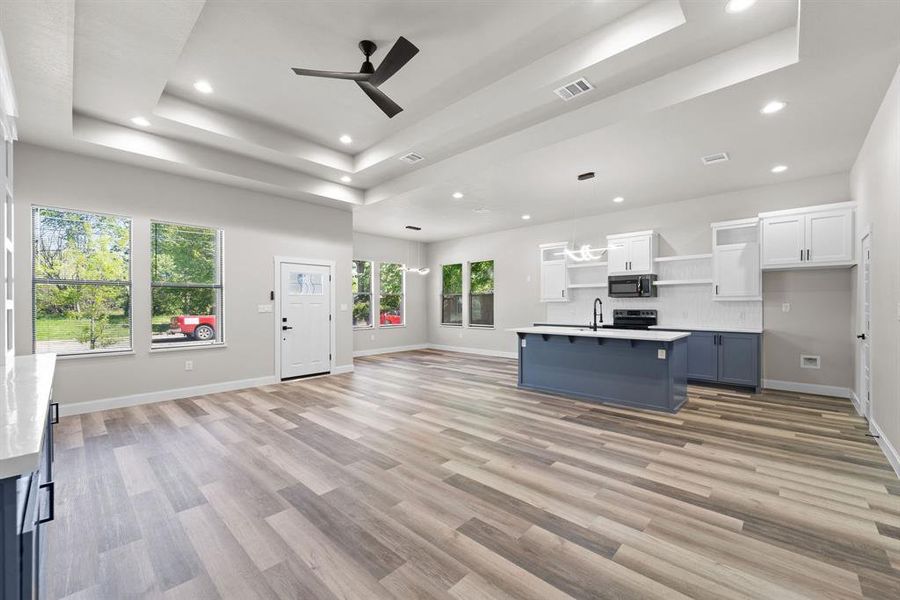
<point x="362" y="293"/>
<point x="391" y="282"/>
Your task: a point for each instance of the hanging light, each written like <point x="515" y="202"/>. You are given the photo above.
<point x="417" y="270"/>
<point x="585" y="253"/>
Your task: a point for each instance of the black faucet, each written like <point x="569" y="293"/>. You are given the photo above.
<point x="596" y="302"/>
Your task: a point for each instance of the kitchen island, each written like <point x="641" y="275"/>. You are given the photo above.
<point x="637" y="368"/>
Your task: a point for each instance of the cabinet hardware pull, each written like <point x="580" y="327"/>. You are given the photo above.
<point x="51" y="493"/>
<point x="54" y="413"/>
<point x="717" y="289"/>
<point x="801" y="254"/>
<point x="807" y="254"/>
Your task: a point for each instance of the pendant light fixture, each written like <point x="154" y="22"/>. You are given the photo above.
<point x="420" y="270"/>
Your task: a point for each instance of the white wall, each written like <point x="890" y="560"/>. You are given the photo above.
<point x="875" y="185"/>
<point x="256" y="227"/>
<point x="684" y="229"/>
<point x="384" y="249"/>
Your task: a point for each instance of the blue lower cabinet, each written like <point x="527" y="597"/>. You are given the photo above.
<point x="739" y="359"/>
<point x="724" y="357"/>
<point x="703" y="356"/>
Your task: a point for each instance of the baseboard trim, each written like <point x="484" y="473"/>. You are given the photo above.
<point x="887" y="448"/>
<point x="478" y="351"/>
<point x="855" y="400"/>
<point x="77" y="408"/>
<point x="808" y="388"/>
<point x="339" y="369"/>
<point x="389" y="350"/>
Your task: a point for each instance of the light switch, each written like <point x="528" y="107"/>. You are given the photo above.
<point x="786" y="307"/>
<point x="343" y="307"/>
<point x="264" y="308"/>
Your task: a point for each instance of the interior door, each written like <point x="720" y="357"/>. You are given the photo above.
<point x="737" y="271"/>
<point x="639" y="255"/>
<point x="617" y="255"/>
<point x="829" y="236"/>
<point x="864" y="336"/>
<point x="783" y="240"/>
<point x="305" y="326"/>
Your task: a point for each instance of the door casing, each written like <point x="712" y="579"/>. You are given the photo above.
<point x="276" y="281"/>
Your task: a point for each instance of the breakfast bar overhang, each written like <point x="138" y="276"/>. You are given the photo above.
<point x="641" y="369"/>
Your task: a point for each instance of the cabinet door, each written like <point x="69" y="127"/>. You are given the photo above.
<point x="782" y="240"/>
<point x="617" y="254"/>
<point x="553" y="282"/>
<point x="829" y="236"/>
<point x="703" y="356"/>
<point x="736" y="271"/>
<point x="739" y="359"/>
<point x="639" y="254"/>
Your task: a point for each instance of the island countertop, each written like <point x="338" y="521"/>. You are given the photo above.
<point x="24" y="406"/>
<point x="619" y="334"/>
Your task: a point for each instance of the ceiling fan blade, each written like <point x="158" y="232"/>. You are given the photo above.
<point x="381" y="99"/>
<point x="333" y="74"/>
<point x="400" y="53"/>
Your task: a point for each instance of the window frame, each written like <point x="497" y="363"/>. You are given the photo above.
<point x="461" y="294"/>
<point x="468" y="289"/>
<point x="402" y="323"/>
<point x="371" y="294"/>
<point x="220" y="316"/>
<point x="129" y="284"/>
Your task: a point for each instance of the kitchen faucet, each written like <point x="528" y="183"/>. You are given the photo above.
<point x="596" y="302"/>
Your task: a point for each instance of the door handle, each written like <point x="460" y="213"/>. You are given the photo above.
<point x="861" y="336"/>
<point x="285" y="327"/>
<point x="51" y="493"/>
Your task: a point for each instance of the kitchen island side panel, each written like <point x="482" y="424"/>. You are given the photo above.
<point x="618" y="371"/>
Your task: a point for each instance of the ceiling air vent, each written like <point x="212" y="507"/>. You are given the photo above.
<point x="575" y="88"/>
<point x="412" y="158"/>
<point x="715" y="158"/>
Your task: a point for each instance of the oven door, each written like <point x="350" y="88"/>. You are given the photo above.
<point x="624" y="287"/>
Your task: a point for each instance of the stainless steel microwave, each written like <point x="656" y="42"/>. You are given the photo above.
<point x="632" y="286"/>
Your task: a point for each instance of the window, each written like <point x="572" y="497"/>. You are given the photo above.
<point x="362" y="293"/>
<point x="391" y="283"/>
<point x="451" y="294"/>
<point x="186" y="284"/>
<point x="481" y="293"/>
<point x="81" y="282"/>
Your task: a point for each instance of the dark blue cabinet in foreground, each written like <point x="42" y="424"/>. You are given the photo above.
<point x="724" y="357"/>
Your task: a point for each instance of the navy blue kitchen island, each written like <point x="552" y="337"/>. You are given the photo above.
<point x="641" y="369"/>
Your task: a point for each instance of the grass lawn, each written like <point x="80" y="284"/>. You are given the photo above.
<point x="61" y="328"/>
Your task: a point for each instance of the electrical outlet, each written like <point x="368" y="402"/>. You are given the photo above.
<point x="786" y="307"/>
<point x="460" y="335"/>
<point x="188" y="365"/>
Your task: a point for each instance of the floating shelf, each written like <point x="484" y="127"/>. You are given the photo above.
<point x="665" y="282"/>
<point x="587" y="285"/>
<point x="585" y="265"/>
<point x="684" y="257"/>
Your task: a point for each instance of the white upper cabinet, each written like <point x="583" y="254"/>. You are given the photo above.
<point x="554" y="276"/>
<point x="631" y="253"/>
<point x="816" y="236"/>
<point x="736" y="272"/>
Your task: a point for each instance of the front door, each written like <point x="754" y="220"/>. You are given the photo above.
<point x="865" y="372"/>
<point x="305" y="326"/>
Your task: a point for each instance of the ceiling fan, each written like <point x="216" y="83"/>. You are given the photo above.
<point x="369" y="78"/>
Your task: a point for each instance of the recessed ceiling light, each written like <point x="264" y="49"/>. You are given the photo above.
<point x="736" y="6"/>
<point x="140" y="121"/>
<point x="779" y="168"/>
<point x="346" y="179"/>
<point x="773" y="107"/>
<point x="346" y="139"/>
<point x="618" y="199"/>
<point x="457" y="195"/>
<point x="203" y="86"/>
<point x="526" y="217"/>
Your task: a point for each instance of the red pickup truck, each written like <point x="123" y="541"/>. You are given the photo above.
<point x="390" y="318"/>
<point x="199" y="327"/>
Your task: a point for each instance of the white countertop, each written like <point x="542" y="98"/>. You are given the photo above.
<point x="693" y="328"/>
<point x="24" y="404"/>
<point x="619" y="334"/>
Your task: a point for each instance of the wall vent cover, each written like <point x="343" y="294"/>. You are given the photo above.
<point x="412" y="158"/>
<point x="712" y="159"/>
<point x="575" y="88"/>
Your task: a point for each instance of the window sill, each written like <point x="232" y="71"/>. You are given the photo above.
<point x="454" y="325"/>
<point x="94" y="354"/>
<point x="365" y="328"/>
<point x="180" y="347"/>
<point x="392" y="326"/>
<point x="480" y="326"/>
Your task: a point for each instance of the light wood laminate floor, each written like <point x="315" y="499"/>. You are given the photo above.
<point x="430" y="475"/>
